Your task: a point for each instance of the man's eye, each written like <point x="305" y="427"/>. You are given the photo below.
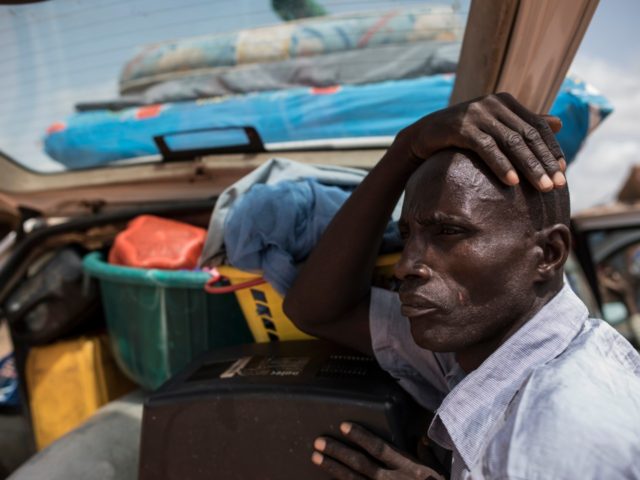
<point x="450" y="230"/>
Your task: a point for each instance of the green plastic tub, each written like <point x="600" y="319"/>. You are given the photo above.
<point x="159" y="320"/>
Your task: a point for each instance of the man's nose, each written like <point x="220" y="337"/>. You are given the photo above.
<point x="412" y="265"/>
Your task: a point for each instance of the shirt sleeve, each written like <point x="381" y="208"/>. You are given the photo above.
<point x="420" y="372"/>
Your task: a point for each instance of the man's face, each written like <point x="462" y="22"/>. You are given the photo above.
<point x="467" y="267"/>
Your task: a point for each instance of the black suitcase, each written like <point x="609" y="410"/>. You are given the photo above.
<point x="252" y="412"/>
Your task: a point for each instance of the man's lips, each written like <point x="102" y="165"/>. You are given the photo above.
<point x="411" y="311"/>
<point x="414" y="306"/>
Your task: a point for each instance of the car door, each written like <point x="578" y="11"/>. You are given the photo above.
<point x="608" y="239"/>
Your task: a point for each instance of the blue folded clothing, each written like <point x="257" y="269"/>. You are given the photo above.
<point x="274" y="227"/>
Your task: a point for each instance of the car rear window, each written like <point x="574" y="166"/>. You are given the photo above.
<point x="90" y="83"/>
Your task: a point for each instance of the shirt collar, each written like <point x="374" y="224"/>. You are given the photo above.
<point x="471" y="410"/>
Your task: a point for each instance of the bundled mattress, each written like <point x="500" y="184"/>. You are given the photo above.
<point x="316" y="37"/>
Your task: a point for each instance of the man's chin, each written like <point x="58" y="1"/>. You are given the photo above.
<point x="435" y="338"/>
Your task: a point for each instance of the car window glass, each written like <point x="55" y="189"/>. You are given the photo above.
<point x="616" y="254"/>
<point x="90" y="83"/>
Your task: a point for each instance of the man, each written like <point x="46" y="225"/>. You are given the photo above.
<point x="483" y="330"/>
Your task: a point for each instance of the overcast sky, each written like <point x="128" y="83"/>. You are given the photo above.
<point x="609" y="59"/>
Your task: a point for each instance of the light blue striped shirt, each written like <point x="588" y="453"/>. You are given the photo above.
<point x="560" y="399"/>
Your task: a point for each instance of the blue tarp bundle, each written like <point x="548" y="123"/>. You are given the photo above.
<point x="347" y="112"/>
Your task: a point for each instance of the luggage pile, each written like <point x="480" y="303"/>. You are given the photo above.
<point x="349" y="80"/>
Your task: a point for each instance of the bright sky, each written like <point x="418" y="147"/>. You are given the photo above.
<point x="609" y="59"/>
<point x="49" y="65"/>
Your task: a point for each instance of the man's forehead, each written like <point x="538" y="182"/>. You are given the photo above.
<point x="465" y="175"/>
<point x="452" y="180"/>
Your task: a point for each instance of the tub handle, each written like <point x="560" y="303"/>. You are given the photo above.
<point x="210" y="286"/>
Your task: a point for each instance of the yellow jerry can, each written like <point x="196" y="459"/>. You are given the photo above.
<point x="67" y="382"/>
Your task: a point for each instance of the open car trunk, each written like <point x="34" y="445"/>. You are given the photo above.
<point x="521" y="46"/>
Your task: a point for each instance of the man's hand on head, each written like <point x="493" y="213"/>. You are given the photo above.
<point x="509" y="138"/>
<point x="383" y="462"/>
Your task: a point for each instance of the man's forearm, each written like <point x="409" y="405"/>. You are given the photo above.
<point x="337" y="275"/>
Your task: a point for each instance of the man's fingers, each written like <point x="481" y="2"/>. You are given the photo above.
<point x="353" y="459"/>
<point x="546" y="125"/>
<point x="522" y="156"/>
<point x="486" y="147"/>
<point x="334" y="468"/>
<point x="534" y="139"/>
<point x="373" y="445"/>
<point x="528" y="138"/>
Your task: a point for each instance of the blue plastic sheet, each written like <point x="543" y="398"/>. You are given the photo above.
<point x="348" y="112"/>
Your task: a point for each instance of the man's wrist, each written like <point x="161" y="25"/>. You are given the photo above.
<point x="401" y="152"/>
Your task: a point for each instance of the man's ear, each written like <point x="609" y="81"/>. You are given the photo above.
<point x="555" y="243"/>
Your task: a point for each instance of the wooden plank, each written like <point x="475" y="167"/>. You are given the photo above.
<point x="544" y="41"/>
<point x="486" y="38"/>
<point x="522" y="47"/>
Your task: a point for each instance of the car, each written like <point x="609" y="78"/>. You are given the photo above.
<point x="116" y="159"/>
<point x="610" y="237"/>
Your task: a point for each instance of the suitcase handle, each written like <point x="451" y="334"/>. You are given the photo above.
<point x="210" y="286"/>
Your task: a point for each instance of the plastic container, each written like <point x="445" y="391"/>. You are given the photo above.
<point x="155" y="242"/>
<point x="159" y="320"/>
<point x="262" y="305"/>
<point x="67" y="382"/>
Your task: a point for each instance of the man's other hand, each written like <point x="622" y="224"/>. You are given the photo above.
<point x="508" y="137"/>
<point x="383" y="462"/>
